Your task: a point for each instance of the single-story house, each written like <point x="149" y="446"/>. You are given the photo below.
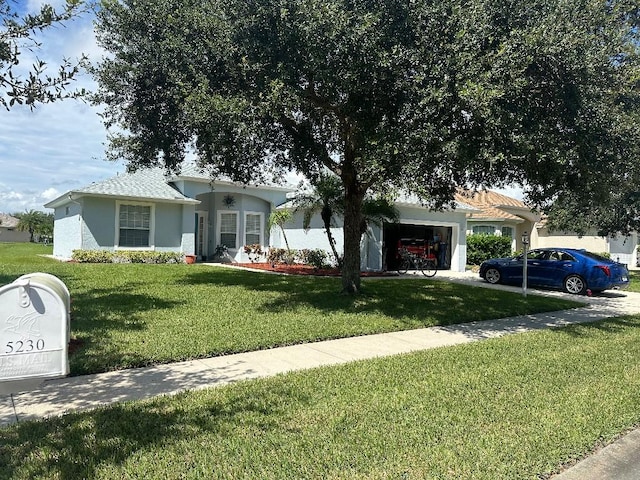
<point x="9" y="230"/>
<point x="193" y="214"/>
<point x="498" y="214"/>
<point x="621" y="248"/>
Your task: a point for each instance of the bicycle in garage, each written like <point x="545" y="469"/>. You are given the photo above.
<point x="411" y="261"/>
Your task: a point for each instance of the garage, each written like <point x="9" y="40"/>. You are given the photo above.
<point x="433" y="241"/>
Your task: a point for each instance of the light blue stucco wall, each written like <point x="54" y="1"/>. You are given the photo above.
<point x="371" y="245"/>
<point x="67" y="230"/>
<point x="243" y="201"/>
<point x="99" y="223"/>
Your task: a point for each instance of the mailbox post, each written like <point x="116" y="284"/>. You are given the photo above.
<point x="34" y="331"/>
<point x="525" y="245"/>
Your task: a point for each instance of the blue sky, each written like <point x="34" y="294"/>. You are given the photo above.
<point x="56" y="147"/>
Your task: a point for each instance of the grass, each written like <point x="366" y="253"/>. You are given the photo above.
<point x="134" y="315"/>
<point x="510" y="408"/>
<point x="634" y="281"/>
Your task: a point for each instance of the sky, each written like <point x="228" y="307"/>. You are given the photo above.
<point x="60" y="146"/>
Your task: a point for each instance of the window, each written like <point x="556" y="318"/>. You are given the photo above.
<point x="507" y="232"/>
<point x="253" y="228"/>
<point x="484" y="229"/>
<point x="134" y="226"/>
<point x="228" y="227"/>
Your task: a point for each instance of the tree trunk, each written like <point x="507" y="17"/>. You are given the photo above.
<point x="326" y="215"/>
<point x="352" y="221"/>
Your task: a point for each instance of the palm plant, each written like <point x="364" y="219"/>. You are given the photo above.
<point x="327" y="198"/>
<point x="31" y="221"/>
<point x="279" y="218"/>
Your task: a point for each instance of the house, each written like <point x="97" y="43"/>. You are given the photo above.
<point x="498" y="214"/>
<point x="621" y="248"/>
<point x="9" y="230"/>
<point x="193" y="214"/>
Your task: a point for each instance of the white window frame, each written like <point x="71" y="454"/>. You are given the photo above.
<point x="493" y="227"/>
<point x="260" y="227"/>
<point x="219" y="224"/>
<point x="152" y="230"/>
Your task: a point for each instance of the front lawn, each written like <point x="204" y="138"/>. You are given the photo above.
<point x="517" y="407"/>
<point x="134" y="315"/>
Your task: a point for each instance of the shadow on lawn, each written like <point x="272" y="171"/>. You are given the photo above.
<point x="96" y="313"/>
<point x="79" y="445"/>
<point x="414" y="302"/>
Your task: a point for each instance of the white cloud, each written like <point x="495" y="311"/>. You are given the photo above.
<point x="56" y="147"/>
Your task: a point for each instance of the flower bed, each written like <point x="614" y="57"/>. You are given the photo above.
<point x="299" y="269"/>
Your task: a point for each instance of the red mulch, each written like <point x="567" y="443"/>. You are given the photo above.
<point x="306" y="270"/>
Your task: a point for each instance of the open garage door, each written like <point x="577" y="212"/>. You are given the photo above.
<point x="432" y="239"/>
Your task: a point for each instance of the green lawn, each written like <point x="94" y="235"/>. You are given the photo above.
<point x="134" y="315"/>
<point x="517" y="407"/>
<point x="634" y="284"/>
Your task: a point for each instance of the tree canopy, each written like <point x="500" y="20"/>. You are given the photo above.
<point x="419" y="95"/>
<point x="18" y="34"/>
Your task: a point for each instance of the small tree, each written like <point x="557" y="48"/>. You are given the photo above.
<point x="32" y="221"/>
<point x="279" y="218"/>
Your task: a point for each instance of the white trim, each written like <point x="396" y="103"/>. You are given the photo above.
<point x="219" y="214"/>
<point x="152" y="221"/>
<point x="260" y="228"/>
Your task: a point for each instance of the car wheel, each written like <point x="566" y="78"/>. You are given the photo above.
<point x="575" y="284"/>
<point x="492" y="275"/>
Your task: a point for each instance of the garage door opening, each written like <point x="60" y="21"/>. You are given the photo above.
<point x="433" y="240"/>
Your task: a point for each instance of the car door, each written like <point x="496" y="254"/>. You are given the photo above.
<point x="538" y="267"/>
<point x="555" y="269"/>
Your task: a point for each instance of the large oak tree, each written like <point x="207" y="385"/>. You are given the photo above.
<point x="419" y="95"/>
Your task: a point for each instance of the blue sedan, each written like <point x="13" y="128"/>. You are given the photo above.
<point x="574" y="271"/>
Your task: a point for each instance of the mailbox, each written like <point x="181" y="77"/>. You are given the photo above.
<point x="34" y="330"/>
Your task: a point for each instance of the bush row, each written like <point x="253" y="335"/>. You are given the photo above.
<point x="316" y="258"/>
<point x="126" y="256"/>
<point x="481" y="247"/>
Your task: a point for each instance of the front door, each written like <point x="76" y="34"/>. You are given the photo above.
<point x="201" y="234"/>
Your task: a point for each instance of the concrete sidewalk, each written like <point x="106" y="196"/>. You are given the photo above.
<point x="57" y="397"/>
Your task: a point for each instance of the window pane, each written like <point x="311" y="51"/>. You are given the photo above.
<point x="228" y="222"/>
<point x="507" y="232"/>
<point x="134" y="221"/>
<point x="133" y="238"/>
<point x="228" y="240"/>
<point x="484" y="230"/>
<point x="252" y="226"/>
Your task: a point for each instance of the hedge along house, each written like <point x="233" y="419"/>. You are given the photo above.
<point x="193" y="214"/>
<point x="498" y="214"/>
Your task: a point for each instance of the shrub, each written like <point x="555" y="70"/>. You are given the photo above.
<point x="126" y="256"/>
<point x="92" y="256"/>
<point x="281" y="255"/>
<point x="317" y="258"/>
<point x="481" y="247"/>
<point x="254" y="252"/>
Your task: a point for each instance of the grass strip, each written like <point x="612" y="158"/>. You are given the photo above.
<point x="133" y="315"/>
<point x="509" y="408"/>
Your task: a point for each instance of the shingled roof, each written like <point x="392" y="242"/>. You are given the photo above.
<point x="8" y="221"/>
<point x="144" y="184"/>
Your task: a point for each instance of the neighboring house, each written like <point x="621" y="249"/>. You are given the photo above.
<point x="499" y="214"/>
<point x="193" y="214"/>
<point x="9" y="230"/>
<point x="621" y="248"/>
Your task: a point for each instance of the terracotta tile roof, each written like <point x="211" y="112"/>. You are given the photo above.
<point x="492" y="205"/>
